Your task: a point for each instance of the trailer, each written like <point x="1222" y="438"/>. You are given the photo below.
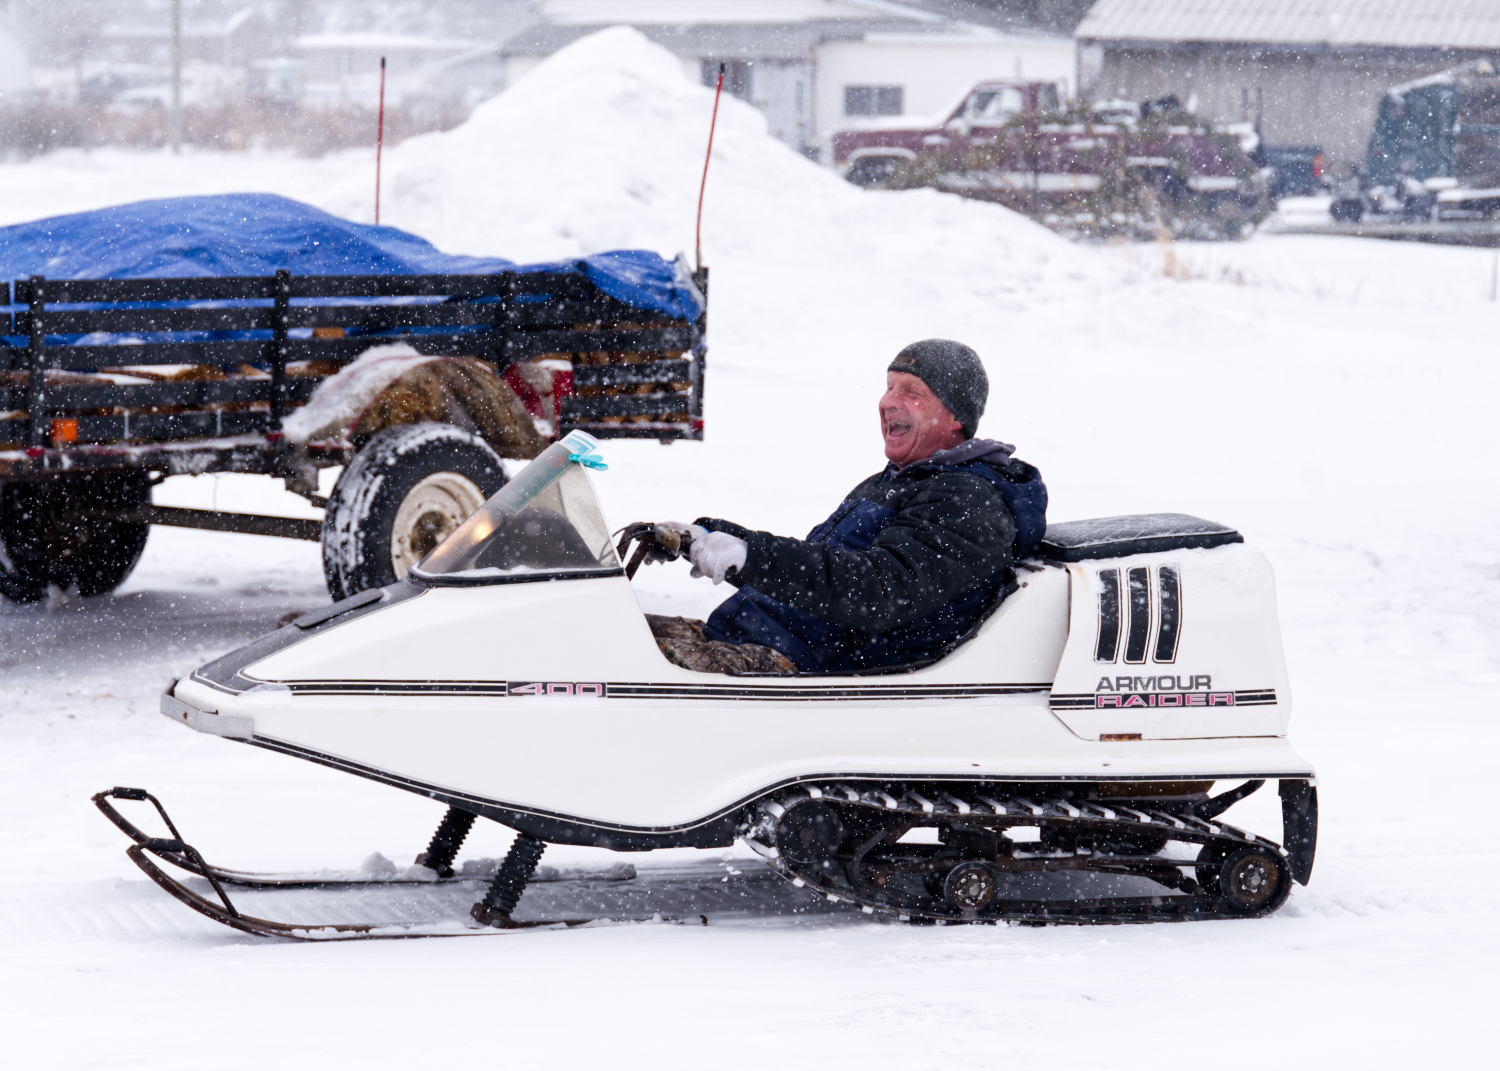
<point x="417" y="382"/>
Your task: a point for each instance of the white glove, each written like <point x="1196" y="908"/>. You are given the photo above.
<point x="716" y="553"/>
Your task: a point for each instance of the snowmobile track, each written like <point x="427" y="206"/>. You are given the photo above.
<point x="847" y="837"/>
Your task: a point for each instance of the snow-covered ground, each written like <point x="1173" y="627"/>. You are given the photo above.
<point x="1332" y="398"/>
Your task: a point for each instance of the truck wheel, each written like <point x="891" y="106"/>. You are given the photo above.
<point x="1346" y="211"/>
<point x="870" y="171"/>
<point x="404" y="492"/>
<point x="59" y="532"/>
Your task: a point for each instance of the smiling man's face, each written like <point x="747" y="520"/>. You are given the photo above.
<point x="914" y="424"/>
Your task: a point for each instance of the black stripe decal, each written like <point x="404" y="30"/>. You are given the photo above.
<point x="1171" y="614"/>
<point x="1109" y="616"/>
<point x="492" y="688"/>
<point x="669" y="691"/>
<point x="1256" y="697"/>
<point x="956" y="691"/>
<point x="1139" y="581"/>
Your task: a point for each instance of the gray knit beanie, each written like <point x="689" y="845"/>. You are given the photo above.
<point x="953" y="372"/>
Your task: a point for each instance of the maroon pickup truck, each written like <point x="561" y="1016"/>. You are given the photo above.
<point x="1114" y="167"/>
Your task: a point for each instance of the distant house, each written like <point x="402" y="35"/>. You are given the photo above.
<point x="812" y="66"/>
<point x="1311" y="71"/>
<point x="231" y="41"/>
<point x="338" y="67"/>
<point x="130" y="60"/>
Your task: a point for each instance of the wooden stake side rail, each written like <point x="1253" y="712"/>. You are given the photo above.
<point x="502" y="319"/>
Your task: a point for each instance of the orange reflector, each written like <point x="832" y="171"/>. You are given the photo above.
<point x="65" y="431"/>
<point x="328" y="332"/>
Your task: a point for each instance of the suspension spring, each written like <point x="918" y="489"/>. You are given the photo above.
<point x="510" y="881"/>
<point x="446" y="842"/>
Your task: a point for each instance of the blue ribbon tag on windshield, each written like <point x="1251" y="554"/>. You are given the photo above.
<point x="588" y="461"/>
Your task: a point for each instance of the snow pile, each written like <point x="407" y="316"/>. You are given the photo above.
<point x="341" y="399"/>
<point x="601" y="147"/>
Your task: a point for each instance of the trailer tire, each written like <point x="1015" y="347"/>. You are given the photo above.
<point x="404" y="492"/>
<point x="52" y="533"/>
<point x="21" y="578"/>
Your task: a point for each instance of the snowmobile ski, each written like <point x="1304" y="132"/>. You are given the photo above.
<point x="380" y="872"/>
<point x="179" y="853"/>
<point x="844" y="841"/>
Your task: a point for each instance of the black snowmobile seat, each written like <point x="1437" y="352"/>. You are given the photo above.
<point x="1140" y="533"/>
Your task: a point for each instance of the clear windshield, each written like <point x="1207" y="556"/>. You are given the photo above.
<point x="995" y="105"/>
<point x="544" y="523"/>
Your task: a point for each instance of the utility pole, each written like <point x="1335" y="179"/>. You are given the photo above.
<point x="176" y="76"/>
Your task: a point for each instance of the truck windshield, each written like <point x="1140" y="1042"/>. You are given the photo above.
<point x="545" y="524"/>
<point x="995" y="105"/>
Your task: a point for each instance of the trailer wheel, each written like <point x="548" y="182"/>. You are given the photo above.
<point x="60" y="532"/>
<point x="21" y="577"/>
<point x="402" y="495"/>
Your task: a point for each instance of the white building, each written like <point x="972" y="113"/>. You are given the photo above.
<point x="812" y="66"/>
<point x="343" y="67"/>
<point x="15" y="57"/>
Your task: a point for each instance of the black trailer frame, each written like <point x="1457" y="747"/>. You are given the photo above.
<point x="261" y="327"/>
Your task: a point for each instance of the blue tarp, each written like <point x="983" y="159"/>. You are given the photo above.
<point x="260" y="233"/>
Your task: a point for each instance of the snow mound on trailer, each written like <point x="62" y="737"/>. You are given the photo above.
<point x="601" y="146"/>
<point x="341" y="399"/>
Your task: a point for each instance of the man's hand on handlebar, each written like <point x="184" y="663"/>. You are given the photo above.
<point x="713" y="554"/>
<point x="656" y="542"/>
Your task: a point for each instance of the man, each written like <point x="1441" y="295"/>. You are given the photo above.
<point x="912" y="561"/>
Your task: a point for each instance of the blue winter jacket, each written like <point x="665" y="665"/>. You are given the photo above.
<point x="911" y="561"/>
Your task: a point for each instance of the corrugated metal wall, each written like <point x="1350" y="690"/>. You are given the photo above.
<point x="1460" y="24"/>
<point x="1310" y="96"/>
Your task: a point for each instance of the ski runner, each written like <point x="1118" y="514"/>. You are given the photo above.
<point x="912" y="560"/>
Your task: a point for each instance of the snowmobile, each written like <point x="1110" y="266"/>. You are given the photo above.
<point x="1056" y="764"/>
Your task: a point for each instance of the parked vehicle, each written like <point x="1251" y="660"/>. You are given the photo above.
<point x="1434" y="153"/>
<point x="110" y="385"/>
<point x="1404" y="199"/>
<point x="1293" y="170"/>
<point x="1117" y="167"/>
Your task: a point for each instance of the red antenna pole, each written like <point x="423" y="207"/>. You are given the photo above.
<point x="698" y="230"/>
<point x="379" y="140"/>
